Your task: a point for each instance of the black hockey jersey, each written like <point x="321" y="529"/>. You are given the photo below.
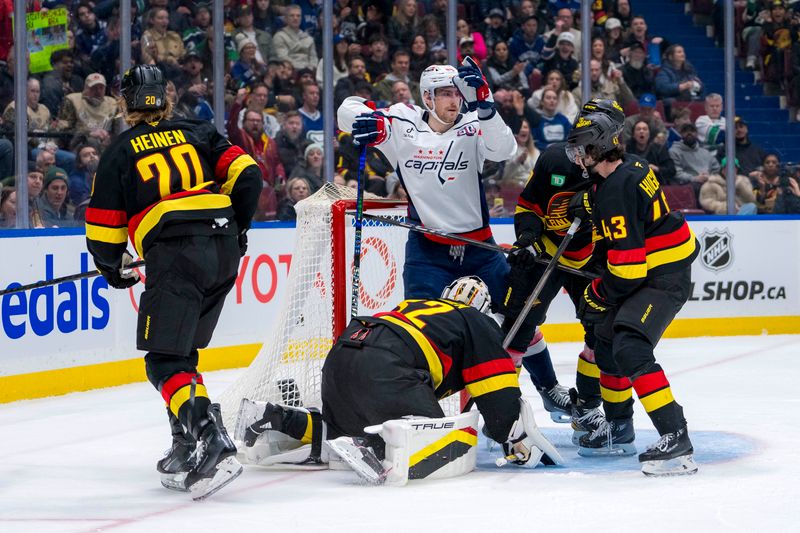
<point x="460" y="347"/>
<point x="642" y="236"/>
<point x="542" y="206"/>
<point x="158" y="174"/>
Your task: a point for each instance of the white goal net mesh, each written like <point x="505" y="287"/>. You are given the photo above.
<point x="316" y="304"/>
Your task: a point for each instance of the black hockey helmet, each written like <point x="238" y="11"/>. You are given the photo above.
<point x="595" y="134"/>
<point x="144" y="88"/>
<point x="605" y="106"/>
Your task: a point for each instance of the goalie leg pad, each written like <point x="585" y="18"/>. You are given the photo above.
<point x="428" y="448"/>
<point x="526" y="444"/>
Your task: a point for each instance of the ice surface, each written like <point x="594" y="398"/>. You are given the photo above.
<point x="86" y="462"/>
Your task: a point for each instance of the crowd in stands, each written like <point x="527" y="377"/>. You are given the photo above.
<point x="529" y="49"/>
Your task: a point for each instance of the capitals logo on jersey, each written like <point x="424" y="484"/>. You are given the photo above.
<point x="441" y="162"/>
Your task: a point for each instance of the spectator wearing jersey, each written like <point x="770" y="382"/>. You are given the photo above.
<point x="310" y="113"/>
<point x="247" y="69"/>
<point x="711" y="126"/>
<point x="293" y="44"/>
<point x="527" y="46"/>
<point x="90" y="34"/>
<point x="550" y="126"/>
<point x="641" y="144"/>
<point x="680" y="116"/>
<point x="768" y="183"/>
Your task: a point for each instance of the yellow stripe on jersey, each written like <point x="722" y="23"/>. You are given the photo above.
<point x="181" y="396"/>
<point x="672" y="255"/>
<point x="552" y="247"/>
<point x="454" y="436"/>
<point x="434" y="364"/>
<point x="615" y="396"/>
<point x="106" y="234"/>
<point x="588" y="369"/>
<point x="234" y="169"/>
<point x="187" y="203"/>
<point x="658" y="399"/>
<point x="492" y="384"/>
<point x="631" y="271"/>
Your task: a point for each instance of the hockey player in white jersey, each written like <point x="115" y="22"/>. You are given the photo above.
<point x="438" y="153"/>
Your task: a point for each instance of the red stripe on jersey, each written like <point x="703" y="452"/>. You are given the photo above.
<point x="487" y="369"/>
<point x="176" y="382"/>
<point x="221" y="170"/>
<point x="472" y="431"/>
<point x="106" y="217"/>
<point x="133" y="223"/>
<point x="526" y="204"/>
<point x="625" y="257"/>
<point x="679" y="236"/>
<point x="581" y="254"/>
<point x="614" y="382"/>
<point x="483" y="234"/>
<point x="648" y="383"/>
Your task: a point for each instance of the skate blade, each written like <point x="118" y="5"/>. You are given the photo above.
<point x="176" y="482"/>
<point x="576" y="436"/>
<point x="679" y="466"/>
<point x="560" y="417"/>
<point x="616" y="450"/>
<point x="226" y="471"/>
<point x="362" y="460"/>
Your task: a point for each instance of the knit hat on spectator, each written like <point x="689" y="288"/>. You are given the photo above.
<point x="612" y="23"/>
<point x="243" y="41"/>
<point x="566" y="36"/>
<point x="467" y="39"/>
<point x="55" y="173"/>
<point x="497" y="12"/>
<point x="313" y="146"/>
<point x="647" y="100"/>
<point x="95" y="78"/>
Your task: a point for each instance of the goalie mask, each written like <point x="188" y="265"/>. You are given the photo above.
<point x="144" y="88"/>
<point x="469" y="290"/>
<point x="432" y="78"/>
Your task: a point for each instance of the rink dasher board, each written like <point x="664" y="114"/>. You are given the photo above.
<point x="81" y="335"/>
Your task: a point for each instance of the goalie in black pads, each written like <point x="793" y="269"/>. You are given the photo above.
<point x="382" y="380"/>
<point x="184" y="196"/>
<point x="646" y="281"/>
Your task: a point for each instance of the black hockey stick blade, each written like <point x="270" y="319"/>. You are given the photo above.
<point x="64" y="279"/>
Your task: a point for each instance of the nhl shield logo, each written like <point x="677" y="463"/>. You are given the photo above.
<point x="716" y="250"/>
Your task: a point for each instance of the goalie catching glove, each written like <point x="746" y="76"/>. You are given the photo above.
<point x="526" y="443"/>
<point x="120" y="278"/>
<point x="473" y="86"/>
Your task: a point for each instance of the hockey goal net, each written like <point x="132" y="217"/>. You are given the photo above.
<point x="316" y="306"/>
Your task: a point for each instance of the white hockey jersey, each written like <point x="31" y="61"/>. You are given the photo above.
<point x="441" y="172"/>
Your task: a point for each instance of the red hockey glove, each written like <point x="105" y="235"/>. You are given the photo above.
<point x="369" y="129"/>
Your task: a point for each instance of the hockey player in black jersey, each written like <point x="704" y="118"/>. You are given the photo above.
<point x="398" y="364"/>
<point x="540" y="223"/>
<point x="184" y="196"/>
<point x="645" y="282"/>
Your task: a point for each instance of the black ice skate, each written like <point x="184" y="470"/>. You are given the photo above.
<point x="585" y="419"/>
<point x="215" y="458"/>
<point x="178" y="460"/>
<point x="670" y="456"/>
<point x="614" y="438"/>
<point x="557" y="403"/>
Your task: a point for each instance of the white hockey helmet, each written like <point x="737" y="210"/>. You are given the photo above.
<point x="432" y="78"/>
<point x="470" y="290"/>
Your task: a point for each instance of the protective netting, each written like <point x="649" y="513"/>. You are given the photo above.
<point x="288" y="368"/>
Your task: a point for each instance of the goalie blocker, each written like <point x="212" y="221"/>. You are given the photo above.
<point x="393" y="365"/>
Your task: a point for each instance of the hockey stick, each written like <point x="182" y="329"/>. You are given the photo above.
<point x="473" y="242"/>
<point x="531" y="301"/>
<point x="56" y="281"/>
<point x="362" y="161"/>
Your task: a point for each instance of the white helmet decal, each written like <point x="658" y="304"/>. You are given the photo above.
<point x="469" y="290"/>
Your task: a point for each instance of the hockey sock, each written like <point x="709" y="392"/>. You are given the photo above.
<point x="617" y="396"/>
<point x="538" y="364"/>
<point x="301" y="425"/>
<point x="587" y="378"/>
<point x="655" y="393"/>
<point x="187" y="398"/>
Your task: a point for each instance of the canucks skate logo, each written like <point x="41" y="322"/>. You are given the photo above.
<point x="716" y="253"/>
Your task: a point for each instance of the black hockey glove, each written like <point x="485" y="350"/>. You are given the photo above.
<point x="592" y="309"/>
<point x="119" y="278"/>
<point x="580" y="206"/>
<point x="520" y="286"/>
<point x="242" y="243"/>
<point x="521" y="253"/>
